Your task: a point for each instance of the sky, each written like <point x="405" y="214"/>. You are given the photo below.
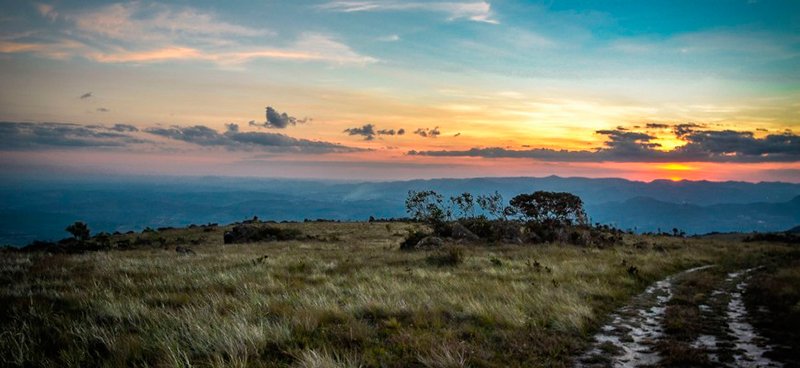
<point x="389" y="89"/>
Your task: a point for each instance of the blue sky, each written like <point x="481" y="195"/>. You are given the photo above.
<point x="513" y="75"/>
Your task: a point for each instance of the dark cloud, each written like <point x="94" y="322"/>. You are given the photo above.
<point x="85" y="95"/>
<point x="277" y="120"/>
<point x="626" y="146"/>
<point x="729" y="145"/>
<point x="102" y="109"/>
<point x="628" y="142"/>
<point x="457" y="134"/>
<point x="428" y="133"/>
<point x="367" y="131"/>
<point x="657" y="126"/>
<point x="15" y="135"/>
<point x="233" y="139"/>
<point x="685" y="128"/>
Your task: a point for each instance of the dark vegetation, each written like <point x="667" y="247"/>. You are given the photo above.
<point x="535" y="218"/>
<point x="791" y="237"/>
<point x="252" y="232"/>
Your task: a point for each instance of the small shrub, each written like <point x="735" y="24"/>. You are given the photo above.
<point x="451" y="255"/>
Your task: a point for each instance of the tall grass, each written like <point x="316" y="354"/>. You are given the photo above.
<point x="355" y="301"/>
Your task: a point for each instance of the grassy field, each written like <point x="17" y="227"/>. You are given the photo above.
<point x="346" y="297"/>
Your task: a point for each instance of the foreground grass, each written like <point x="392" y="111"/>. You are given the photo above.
<point x="350" y="300"/>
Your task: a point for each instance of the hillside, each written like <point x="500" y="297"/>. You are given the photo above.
<point x="31" y="210"/>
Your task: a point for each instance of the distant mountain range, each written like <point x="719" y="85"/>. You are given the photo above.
<point x="38" y="209"/>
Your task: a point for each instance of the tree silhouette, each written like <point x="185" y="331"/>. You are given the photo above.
<point x="550" y="207"/>
<point x="79" y="231"/>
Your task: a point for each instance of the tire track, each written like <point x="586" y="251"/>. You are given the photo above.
<point x="629" y="339"/>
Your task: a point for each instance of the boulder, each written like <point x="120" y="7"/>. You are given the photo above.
<point x="460" y="232"/>
<point x="184" y="250"/>
<point x="430" y="242"/>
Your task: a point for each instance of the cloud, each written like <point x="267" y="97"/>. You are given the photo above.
<point x="235" y="140"/>
<point x="102" y="109"/>
<point x="85" y="95"/>
<point x="277" y="120"/>
<point x="388" y="132"/>
<point x="153" y="22"/>
<point x="477" y="11"/>
<point x="657" y="126"/>
<point x="124" y="128"/>
<point x="428" y="133"/>
<point x="47" y="11"/>
<point x="389" y="38"/>
<point x="625" y="146"/>
<point x="139" y="32"/>
<point x="685" y="128"/>
<point x="16" y="135"/>
<point x="367" y="131"/>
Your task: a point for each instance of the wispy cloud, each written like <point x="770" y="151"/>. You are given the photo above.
<point x="760" y="45"/>
<point x="139" y="32"/>
<point x="151" y="22"/>
<point x="477" y="11"/>
<point x="47" y="11"/>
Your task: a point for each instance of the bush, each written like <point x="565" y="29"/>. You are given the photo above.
<point x="450" y="255"/>
<point x="253" y="233"/>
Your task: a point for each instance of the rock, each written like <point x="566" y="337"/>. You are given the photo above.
<point x="460" y="232"/>
<point x="430" y="242"/>
<point x="184" y="250"/>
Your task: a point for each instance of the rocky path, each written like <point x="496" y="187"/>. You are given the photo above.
<point x="631" y="337"/>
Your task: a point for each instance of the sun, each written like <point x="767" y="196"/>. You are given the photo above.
<point x="676" y="167"/>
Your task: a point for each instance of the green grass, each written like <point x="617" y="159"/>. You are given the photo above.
<point x="349" y="298"/>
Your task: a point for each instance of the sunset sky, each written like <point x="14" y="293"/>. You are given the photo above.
<point x="380" y="90"/>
